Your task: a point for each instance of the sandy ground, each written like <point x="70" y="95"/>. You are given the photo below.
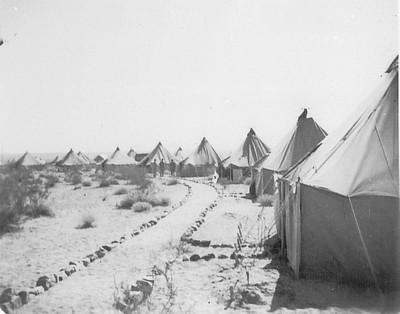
<point x="229" y="214"/>
<point x="204" y="286"/>
<point x="91" y="290"/>
<point x="47" y="244"/>
<point x="280" y="292"/>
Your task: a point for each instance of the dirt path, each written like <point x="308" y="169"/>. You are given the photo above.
<point x="91" y="290"/>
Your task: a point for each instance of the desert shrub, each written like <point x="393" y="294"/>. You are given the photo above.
<point x="149" y="196"/>
<point x="126" y="203"/>
<point x="121" y="191"/>
<point x="104" y="183"/>
<point x="76" y="179"/>
<point x="87" y="221"/>
<point x="21" y="194"/>
<point x="113" y="181"/>
<point x="50" y="180"/>
<point x="141" y="207"/>
<point x="265" y="200"/>
<point x="136" y="176"/>
<point x="172" y="182"/>
<point x="158" y="201"/>
<point x="39" y="210"/>
<point x="87" y="183"/>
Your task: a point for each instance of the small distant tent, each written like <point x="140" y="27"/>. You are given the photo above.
<point x="131" y="153"/>
<point x="27" y="160"/>
<point x="54" y="161"/>
<point x="119" y="158"/>
<point x="202" y="162"/>
<point x="301" y="140"/>
<point x="338" y="210"/>
<point x="179" y="154"/>
<point x="86" y="160"/>
<point x="249" y="152"/>
<point x="40" y="160"/>
<point x="71" y="159"/>
<point x="139" y="156"/>
<point x="99" y="159"/>
<point x="158" y="153"/>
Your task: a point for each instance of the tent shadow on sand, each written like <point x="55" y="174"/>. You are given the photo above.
<point x="306" y="294"/>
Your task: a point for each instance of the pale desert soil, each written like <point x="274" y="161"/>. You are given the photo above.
<point x="45" y="245"/>
<point x="203" y="286"/>
<point x="91" y="290"/>
<point x="221" y="225"/>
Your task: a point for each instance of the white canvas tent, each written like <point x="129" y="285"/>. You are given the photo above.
<point x="71" y="159"/>
<point x="302" y="139"/>
<point x="158" y="153"/>
<point x="27" y="160"/>
<point x="249" y="152"/>
<point x="338" y="211"/>
<point x="202" y="162"/>
<point x="85" y="159"/>
<point x="119" y="158"/>
<point x="179" y="154"/>
<point x="131" y="153"/>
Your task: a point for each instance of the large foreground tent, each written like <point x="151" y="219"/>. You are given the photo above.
<point x="119" y="158"/>
<point x="202" y="162"/>
<point x="71" y="159"/>
<point x="338" y="212"/>
<point x="250" y="151"/>
<point x="302" y="139"/>
<point x="157" y="154"/>
<point x="27" y="160"/>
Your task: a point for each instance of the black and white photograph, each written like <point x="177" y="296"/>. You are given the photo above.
<point x="199" y="156"/>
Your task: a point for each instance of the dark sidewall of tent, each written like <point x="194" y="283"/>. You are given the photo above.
<point x="265" y="183"/>
<point x="330" y="236"/>
<point x="197" y="171"/>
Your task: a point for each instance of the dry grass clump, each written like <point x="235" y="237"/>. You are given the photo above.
<point x="137" y="176"/>
<point x="150" y="196"/>
<point x="159" y="201"/>
<point x="141" y="207"/>
<point x="113" y="181"/>
<point x="266" y="200"/>
<point x="87" y="221"/>
<point x="51" y="180"/>
<point x="172" y="182"/>
<point x="21" y="194"/>
<point x="76" y="179"/>
<point x="39" y="210"/>
<point x="104" y="183"/>
<point x="144" y="196"/>
<point x="121" y="191"/>
<point x="87" y="183"/>
<point x="126" y="203"/>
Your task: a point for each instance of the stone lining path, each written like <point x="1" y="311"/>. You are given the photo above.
<point x="91" y="291"/>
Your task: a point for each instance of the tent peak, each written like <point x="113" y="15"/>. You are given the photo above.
<point x="394" y="65"/>
<point x="303" y="114"/>
<point x="251" y="132"/>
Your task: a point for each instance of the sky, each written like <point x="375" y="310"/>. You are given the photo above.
<point x="96" y="74"/>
